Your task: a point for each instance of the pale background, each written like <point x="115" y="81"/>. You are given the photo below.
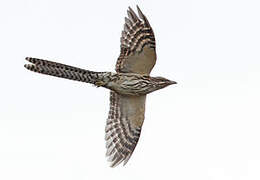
<point x="204" y="128"/>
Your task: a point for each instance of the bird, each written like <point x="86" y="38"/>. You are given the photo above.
<point x="128" y="86"/>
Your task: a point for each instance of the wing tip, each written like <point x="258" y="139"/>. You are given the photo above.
<point x="134" y="18"/>
<point x="116" y="159"/>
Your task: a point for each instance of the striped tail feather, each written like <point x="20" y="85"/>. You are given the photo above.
<point x="64" y="71"/>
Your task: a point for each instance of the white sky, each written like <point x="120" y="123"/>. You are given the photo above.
<point x="204" y="128"/>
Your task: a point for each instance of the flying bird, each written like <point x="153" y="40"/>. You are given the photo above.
<point x="128" y="86"/>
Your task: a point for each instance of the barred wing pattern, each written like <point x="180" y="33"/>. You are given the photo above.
<point x="123" y="126"/>
<point x="126" y="113"/>
<point x="137" y="45"/>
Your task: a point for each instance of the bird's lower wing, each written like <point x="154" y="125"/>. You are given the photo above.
<point x="123" y="128"/>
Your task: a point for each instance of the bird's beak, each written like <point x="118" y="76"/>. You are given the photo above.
<point x="173" y="82"/>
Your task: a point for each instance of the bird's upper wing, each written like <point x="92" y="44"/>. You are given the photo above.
<point x="137" y="45"/>
<point x="123" y="128"/>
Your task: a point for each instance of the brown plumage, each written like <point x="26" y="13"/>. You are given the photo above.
<point x="128" y="86"/>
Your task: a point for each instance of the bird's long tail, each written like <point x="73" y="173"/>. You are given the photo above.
<point x="65" y="71"/>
